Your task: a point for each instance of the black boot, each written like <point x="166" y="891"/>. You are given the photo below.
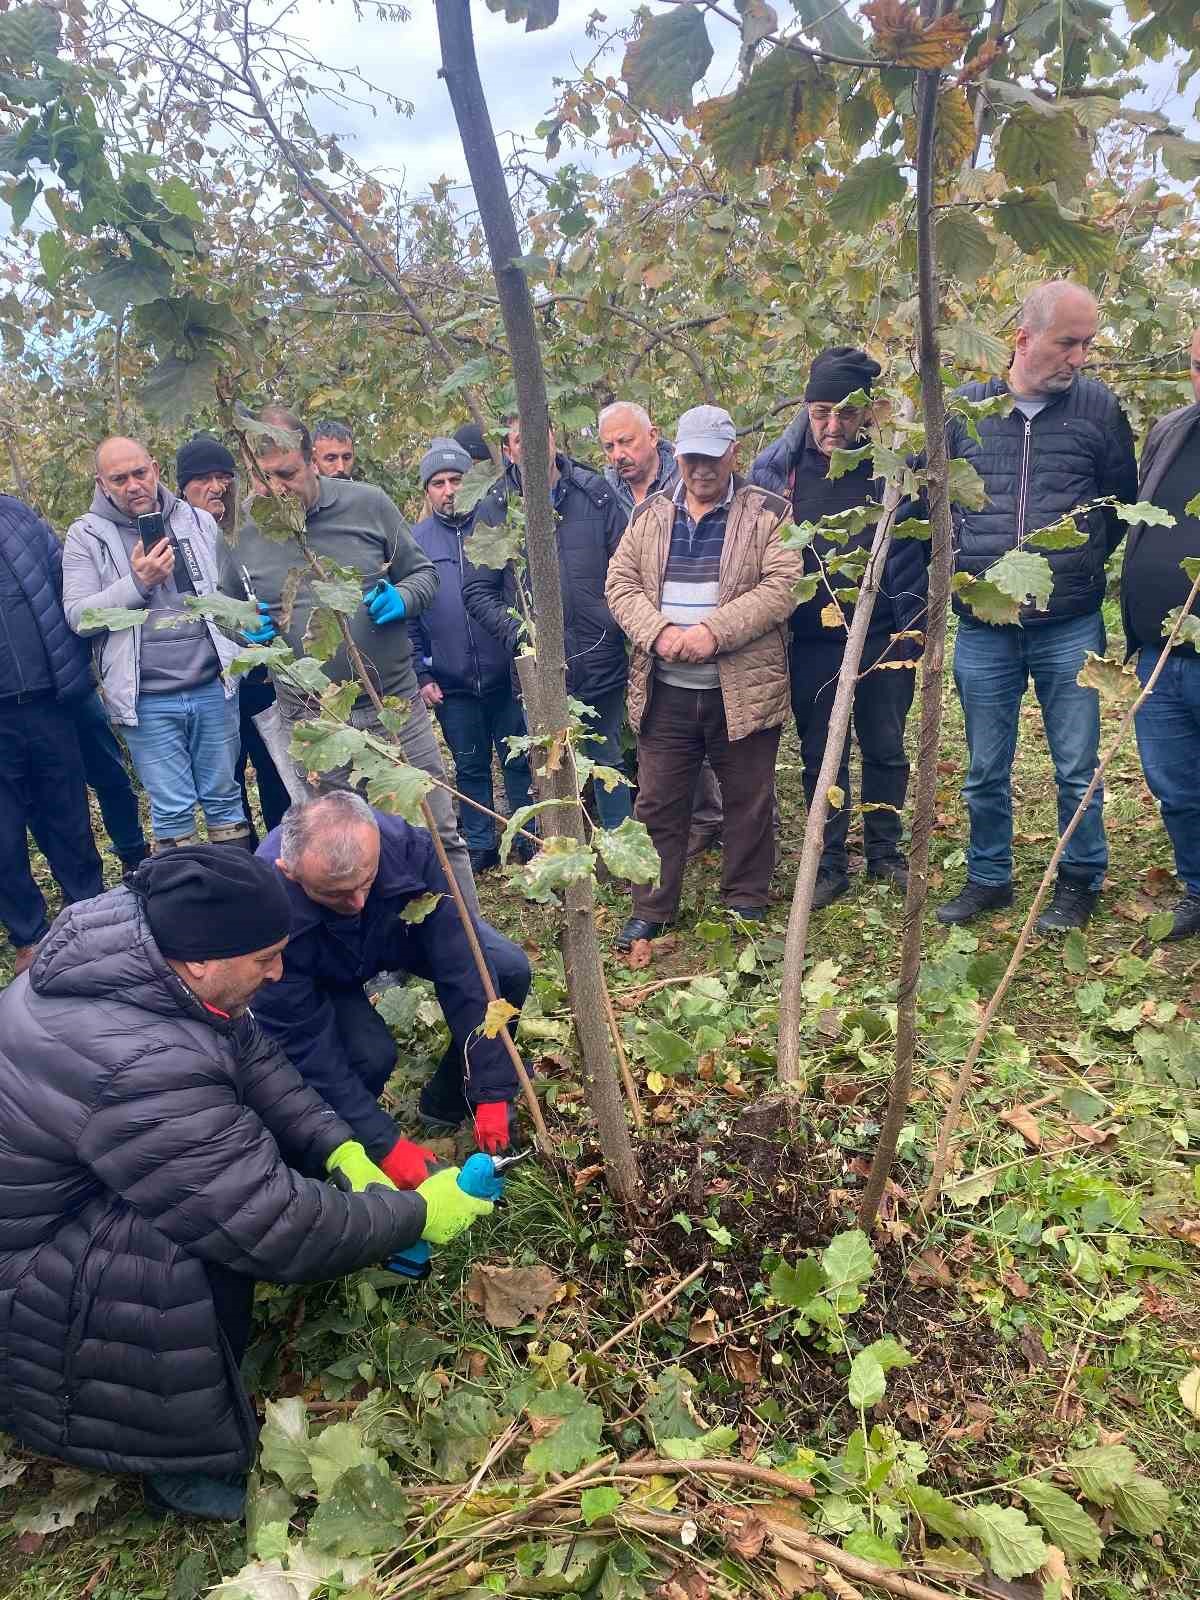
<point x="1071" y="907"/>
<point x="974" y="900"/>
<point x="830" y="886"/>
<point x="893" y="870"/>
<point x="484" y="860"/>
<point x="1187" y="918"/>
<point x="638" y="928"/>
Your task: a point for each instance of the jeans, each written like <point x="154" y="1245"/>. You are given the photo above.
<point x="881" y="704"/>
<point x="992" y="667"/>
<point x="256" y="694"/>
<point x="185" y="749"/>
<point x="603" y="745"/>
<point x="474" y="725"/>
<point x="680" y="728"/>
<point x="1168" y="736"/>
<point x="41" y="776"/>
<point x="106" y="773"/>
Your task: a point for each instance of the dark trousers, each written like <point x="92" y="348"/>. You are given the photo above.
<point x="474" y="726"/>
<point x="371" y="1049"/>
<point x="41" y="779"/>
<point x="680" y="728"/>
<point x="106" y="773"/>
<point x="258" y="694"/>
<point x="881" y="705"/>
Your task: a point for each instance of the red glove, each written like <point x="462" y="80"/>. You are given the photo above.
<point x="407" y="1164"/>
<point x="491" y="1126"/>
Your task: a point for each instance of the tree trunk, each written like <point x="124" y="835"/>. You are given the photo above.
<point x="549" y="713"/>
<point x="940" y="572"/>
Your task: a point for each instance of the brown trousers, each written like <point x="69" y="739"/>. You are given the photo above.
<point x="681" y="727"/>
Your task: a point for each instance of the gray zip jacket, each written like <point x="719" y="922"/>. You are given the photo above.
<point x="96" y="573"/>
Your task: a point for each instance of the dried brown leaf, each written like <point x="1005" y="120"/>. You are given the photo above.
<point x="508" y="1296"/>
<point x="1026" y="1124"/>
<point x="745" y="1364"/>
<point x="638" y="955"/>
<point x="703" y="1329"/>
<point x="900" y="34"/>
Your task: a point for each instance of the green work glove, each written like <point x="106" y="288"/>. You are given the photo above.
<point x="449" y="1210"/>
<point x="351" y="1168"/>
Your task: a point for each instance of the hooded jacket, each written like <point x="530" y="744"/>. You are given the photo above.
<point x="1078" y="448"/>
<point x="452" y="649"/>
<point x="34" y="557"/>
<point x="905" y="572"/>
<point x="590" y="525"/>
<point x="143" y="1135"/>
<point x="97" y="574"/>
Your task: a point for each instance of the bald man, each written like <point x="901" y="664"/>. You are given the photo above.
<point x="1065" y="444"/>
<point x="165" y="684"/>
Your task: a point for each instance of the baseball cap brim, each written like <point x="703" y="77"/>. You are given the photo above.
<point x="702" y="444"/>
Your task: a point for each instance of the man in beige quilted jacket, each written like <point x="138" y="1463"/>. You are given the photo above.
<point x="702" y="585"/>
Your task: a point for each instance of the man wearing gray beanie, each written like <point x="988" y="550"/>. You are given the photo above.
<point x="465" y="672"/>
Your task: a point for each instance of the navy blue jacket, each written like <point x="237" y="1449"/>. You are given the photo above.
<point x="1077" y="449"/>
<point x="451" y="648"/>
<point x="35" y="557"/>
<point x="590" y="525"/>
<point x="327" y="952"/>
<point x="906" y="571"/>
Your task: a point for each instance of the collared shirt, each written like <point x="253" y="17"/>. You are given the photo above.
<point x="692" y="584"/>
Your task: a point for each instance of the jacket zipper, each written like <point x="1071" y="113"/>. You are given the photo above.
<point x="458" y="537"/>
<point x="1023" y="491"/>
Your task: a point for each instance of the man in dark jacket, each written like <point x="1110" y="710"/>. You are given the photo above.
<point x="1153" y="586"/>
<point x="1065" y="444"/>
<point x="157" y="1155"/>
<point x="351" y="873"/>
<point x="590" y="525"/>
<point x="464" y="671"/>
<point x="798" y="466"/>
<point x="44" y="672"/>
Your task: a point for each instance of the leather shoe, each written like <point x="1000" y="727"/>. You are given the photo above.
<point x="1187" y="918"/>
<point x="637" y="928"/>
<point x="748" y="913"/>
<point x="893" y="871"/>
<point x="1071" y="907"/>
<point x="974" y="899"/>
<point x="830" y="886"/>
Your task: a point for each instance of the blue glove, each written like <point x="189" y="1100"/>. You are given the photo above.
<point x="265" y="632"/>
<point x="385" y="602"/>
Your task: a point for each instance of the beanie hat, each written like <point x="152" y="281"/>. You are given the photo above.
<point x="470" y="436"/>
<point x="444" y="455"/>
<point x="206" y="902"/>
<point x="838" y="372"/>
<point x="200" y="456"/>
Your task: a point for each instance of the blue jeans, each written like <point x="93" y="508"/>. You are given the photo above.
<point x="104" y="767"/>
<point x="474" y="725"/>
<point x="185" y="750"/>
<point x="603" y="745"/>
<point x="1168" y="736"/>
<point x="992" y="669"/>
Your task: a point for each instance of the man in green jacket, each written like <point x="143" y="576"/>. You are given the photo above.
<point x="357" y="526"/>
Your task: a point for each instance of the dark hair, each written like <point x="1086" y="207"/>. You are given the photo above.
<point x="328" y="429"/>
<point x="278" y="416"/>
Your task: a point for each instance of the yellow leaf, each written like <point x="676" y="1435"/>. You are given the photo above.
<point x="1189" y="1391"/>
<point x="831" y="616"/>
<point x="836" y="797"/>
<point x="900" y="34"/>
<point x="654" y="277"/>
<point x="497" y="1014"/>
<point x="655" y="1082"/>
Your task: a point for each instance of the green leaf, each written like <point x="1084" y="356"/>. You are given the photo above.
<point x="666" y="60"/>
<point x="599" y="1502"/>
<point x="1033" y="150"/>
<point x="363" y="1515"/>
<point x="866" y="194"/>
<point x="344" y="595"/>
<point x="1035" y="222"/>
<point x="936" y="1511"/>
<point x="191" y="1577"/>
<point x="420" y="907"/>
<point x="985" y="601"/>
<point x="1074" y="953"/>
<point x="336" y="1451"/>
<point x="128" y="281"/>
<point x="27" y="32"/>
<point x="182" y="199"/>
<point x="669" y="1411"/>
<point x="492" y="547"/>
<point x="1145" y="511"/>
<point x="1142" y="1505"/>
<point x="843" y="461"/>
<point x="890" y="1353"/>
<point x="176" y="389"/>
<point x="54" y="253"/>
<point x="1024" y="577"/>
<point x="322" y="634"/>
<point x="867" y="1381"/>
<point x="392" y="785"/>
<point x="561" y="861"/>
<point x="1012" y="1544"/>
<point x="1180" y="156"/>
<point x="830" y="26"/>
<point x="575" y="1441"/>
<point x="1115" y="681"/>
<point x="306" y="674"/>
<point x="534" y="14"/>
<point x="716" y="1442"/>
<point x="627" y="851"/>
<point x="1100" y="1471"/>
<point x="975" y="347"/>
<point x="797" y="1286"/>
<point x="283" y="1444"/>
<point x="73" y="1495"/>
<point x="966" y="486"/>
<point x="965" y="248"/>
<point x="115" y="618"/>
<point x="1064" y="1519"/>
<point x="785" y="104"/>
<point x="848" y="1259"/>
<point x="1066" y="534"/>
<point x="322" y="746"/>
<point x="21" y="200"/>
<point x="870" y="1547"/>
<point x="478" y="370"/>
<point x="224" y="609"/>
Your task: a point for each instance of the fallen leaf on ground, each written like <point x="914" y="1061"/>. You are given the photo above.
<point x="587" y="1175"/>
<point x="747" y="1532"/>
<point x="638" y="955"/>
<point x="841" y="1588"/>
<point x="795" y="1574"/>
<point x="477" y="1364"/>
<point x="1137" y="909"/>
<point x="703" y="1329"/>
<point x="686" y="1583"/>
<point x="929" y="1270"/>
<point x="1033" y="1349"/>
<point x="744" y="1364"/>
<point x="1024" y="1121"/>
<point x="1054" y="1570"/>
<point x="1189" y="1390"/>
<point x="508" y="1295"/>
<point x="1015" y="1284"/>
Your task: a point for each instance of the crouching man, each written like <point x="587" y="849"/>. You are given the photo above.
<point x="350" y="873"/>
<point x="158" y="1154"/>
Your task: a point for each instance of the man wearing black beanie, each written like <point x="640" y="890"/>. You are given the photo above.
<point x="158" y="1154"/>
<point x="835" y="417"/>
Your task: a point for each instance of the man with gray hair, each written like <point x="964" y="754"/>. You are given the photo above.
<point x="1065" y="444"/>
<point x="351" y="873"/>
<point x="333" y="449"/>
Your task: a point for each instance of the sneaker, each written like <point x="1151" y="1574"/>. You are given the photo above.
<point x="830" y="886"/>
<point x="1187" y="918"/>
<point x="195" y="1494"/>
<point x="974" y="900"/>
<point x="1071" y="907"/>
<point x="893" y="871"/>
<point x="484" y="860"/>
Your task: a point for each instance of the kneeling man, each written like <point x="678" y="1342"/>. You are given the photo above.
<point x="350" y="872"/>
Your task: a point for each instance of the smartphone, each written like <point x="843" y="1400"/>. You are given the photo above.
<point x="152" y="529"/>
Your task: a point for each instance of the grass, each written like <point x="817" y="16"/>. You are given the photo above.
<point x="1047" y="1316"/>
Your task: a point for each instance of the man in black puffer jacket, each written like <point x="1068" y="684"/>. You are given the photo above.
<point x="1065" y="444"/>
<point x="157" y="1155"/>
<point x="590" y="525"/>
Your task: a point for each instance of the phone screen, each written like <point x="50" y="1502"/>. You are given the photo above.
<point x="151" y="529"/>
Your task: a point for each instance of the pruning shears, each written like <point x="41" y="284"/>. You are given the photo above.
<point x="479" y="1178"/>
